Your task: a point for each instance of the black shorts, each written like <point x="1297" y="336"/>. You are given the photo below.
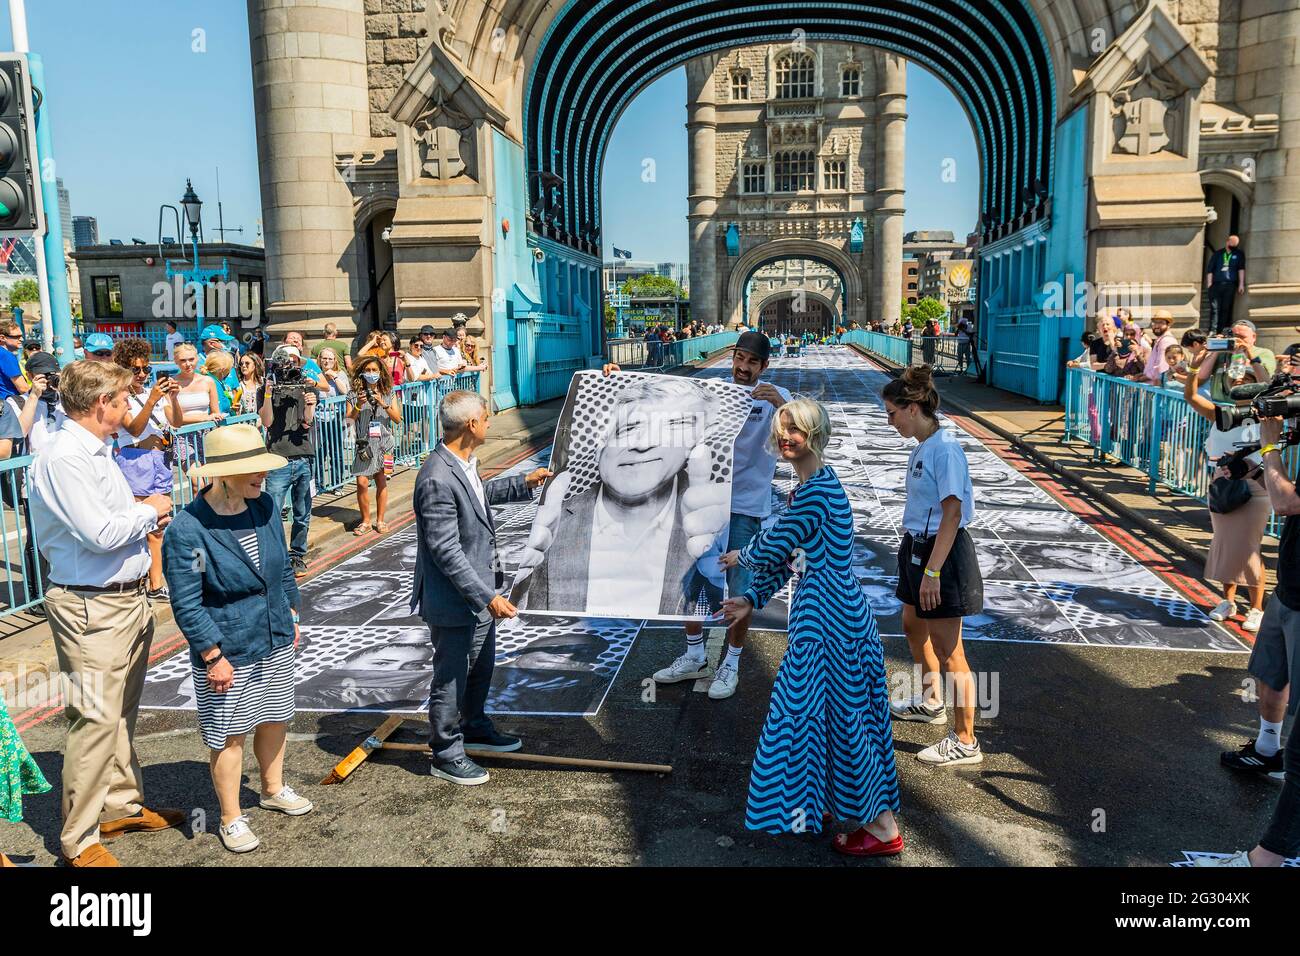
<point x="961" y="587"/>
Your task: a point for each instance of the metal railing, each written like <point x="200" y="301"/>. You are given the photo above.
<point x="23" y="583"/>
<point x="1147" y="427"/>
<point x="944" y="352"/>
<point x="637" y="353"/>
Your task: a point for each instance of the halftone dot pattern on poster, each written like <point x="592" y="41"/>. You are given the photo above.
<point x="593" y="397"/>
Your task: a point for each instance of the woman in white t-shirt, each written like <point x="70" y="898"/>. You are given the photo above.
<point x="1235" y="558"/>
<point x="939" y="579"/>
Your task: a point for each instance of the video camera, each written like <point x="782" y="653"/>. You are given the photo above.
<point x="285" y="372"/>
<point x="1278" y="398"/>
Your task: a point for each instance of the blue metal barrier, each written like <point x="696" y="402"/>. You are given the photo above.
<point x="636" y="353"/>
<point x="1147" y="427"/>
<point x="24" y="584"/>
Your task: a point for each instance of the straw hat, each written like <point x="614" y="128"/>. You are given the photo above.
<point x="235" y="450"/>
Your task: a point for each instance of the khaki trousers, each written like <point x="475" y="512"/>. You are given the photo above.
<point x="103" y="645"/>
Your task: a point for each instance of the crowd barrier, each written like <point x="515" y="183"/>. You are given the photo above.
<point x="944" y="352"/>
<point x="1146" y="427"/>
<point x="23" y="584"/>
<point x="661" y="356"/>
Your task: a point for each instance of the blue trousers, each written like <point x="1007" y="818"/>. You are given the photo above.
<point x="463" y="658"/>
<point x="294" y="478"/>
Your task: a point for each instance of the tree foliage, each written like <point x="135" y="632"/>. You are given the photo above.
<point x="649" y="285"/>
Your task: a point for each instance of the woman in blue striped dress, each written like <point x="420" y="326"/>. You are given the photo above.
<point x="826" y="751"/>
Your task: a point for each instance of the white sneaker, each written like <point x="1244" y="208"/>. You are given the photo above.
<point x="1223" y="610"/>
<point x="916" y="709"/>
<point x="724" y="682"/>
<point x="1253" y="619"/>
<point x="238" y="837"/>
<point x="951" y="752"/>
<point x="287" y="801"/>
<point x="1236" y="859"/>
<point x="685" y="667"/>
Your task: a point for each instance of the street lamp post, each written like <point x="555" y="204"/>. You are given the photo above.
<point x="195" y="276"/>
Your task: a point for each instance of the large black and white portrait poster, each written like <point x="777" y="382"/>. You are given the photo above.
<point x="633" y="522"/>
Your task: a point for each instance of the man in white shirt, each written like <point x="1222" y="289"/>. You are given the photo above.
<point x="753" y="467"/>
<point x="450" y="361"/>
<point x="93" y="532"/>
<point x="174" y="338"/>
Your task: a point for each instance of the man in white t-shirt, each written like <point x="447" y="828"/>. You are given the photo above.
<point x="174" y="338"/>
<point x="450" y="361"/>
<point x="753" y="467"/>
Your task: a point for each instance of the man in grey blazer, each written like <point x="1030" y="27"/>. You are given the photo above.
<point x="457" y="574"/>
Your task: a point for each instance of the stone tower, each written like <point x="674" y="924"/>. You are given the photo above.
<point x="796" y="153"/>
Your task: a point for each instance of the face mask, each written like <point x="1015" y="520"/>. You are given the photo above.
<point x="370" y="377"/>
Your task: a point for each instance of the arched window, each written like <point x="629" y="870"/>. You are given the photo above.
<point x="740" y="85"/>
<point x="794" y="76"/>
<point x="835" y="174"/>
<point x="851" y="81"/>
<point x="793" y="171"/>
<point x="754" y="178"/>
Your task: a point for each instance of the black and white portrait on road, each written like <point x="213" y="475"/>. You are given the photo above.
<point x="631" y="524"/>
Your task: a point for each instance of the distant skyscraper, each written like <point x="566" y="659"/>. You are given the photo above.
<point x="85" y="230"/>
<point x="65" y="210"/>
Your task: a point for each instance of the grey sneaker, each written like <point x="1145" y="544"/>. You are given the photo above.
<point x="684" y="668"/>
<point x="916" y="709"/>
<point x="724" y="682"/>
<point x="287" y="801"/>
<point x="951" y="752"/>
<point x="238" y="837"/>
<point x="462" y="771"/>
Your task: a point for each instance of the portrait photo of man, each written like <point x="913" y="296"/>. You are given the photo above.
<point x="636" y="540"/>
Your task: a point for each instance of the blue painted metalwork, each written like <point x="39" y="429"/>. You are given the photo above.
<point x="56" y="277"/>
<point x="733" y="239"/>
<point x="1149" y="428"/>
<point x="857" y="237"/>
<point x="992" y="55"/>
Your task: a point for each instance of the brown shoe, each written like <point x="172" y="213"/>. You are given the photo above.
<point x="93" y="855"/>
<point x="146" y="821"/>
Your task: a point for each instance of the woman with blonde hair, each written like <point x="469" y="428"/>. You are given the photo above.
<point x="374" y="409"/>
<point x="939" y="579"/>
<point x="827" y="750"/>
<point x="217" y="366"/>
<point x="335" y="377"/>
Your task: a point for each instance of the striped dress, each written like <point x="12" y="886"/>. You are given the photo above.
<point x="262" y="692"/>
<point x="826" y="744"/>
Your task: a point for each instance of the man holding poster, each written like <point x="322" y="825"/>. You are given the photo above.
<point x="754" y="464"/>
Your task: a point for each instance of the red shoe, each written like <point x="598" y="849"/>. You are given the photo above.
<point x="862" y="843"/>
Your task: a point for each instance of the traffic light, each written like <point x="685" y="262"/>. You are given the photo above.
<point x="21" y="211"/>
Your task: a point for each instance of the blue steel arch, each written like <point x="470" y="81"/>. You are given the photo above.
<point x="598" y="54"/>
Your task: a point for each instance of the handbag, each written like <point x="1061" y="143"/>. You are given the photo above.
<point x="1227" y="494"/>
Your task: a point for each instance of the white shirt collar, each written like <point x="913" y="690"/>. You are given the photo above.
<point x="603" y="520"/>
<point x="83" y="436"/>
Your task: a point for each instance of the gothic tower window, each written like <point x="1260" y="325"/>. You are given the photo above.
<point x="794" y="171"/>
<point x="740" y="85"/>
<point x="851" y="81"/>
<point x="794" y="76"/>
<point x="754" y="179"/>
<point x="834" y="174"/>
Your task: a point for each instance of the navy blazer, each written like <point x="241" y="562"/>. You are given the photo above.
<point x="218" y="597"/>
<point x="456" y="562"/>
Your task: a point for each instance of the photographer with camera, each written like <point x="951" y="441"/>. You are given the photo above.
<point x="375" y="409"/>
<point x="287" y="406"/>
<point x="1238" y="501"/>
<point x="1275" y="662"/>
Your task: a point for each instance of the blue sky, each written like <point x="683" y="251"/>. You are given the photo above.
<point x="136" y="109"/>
